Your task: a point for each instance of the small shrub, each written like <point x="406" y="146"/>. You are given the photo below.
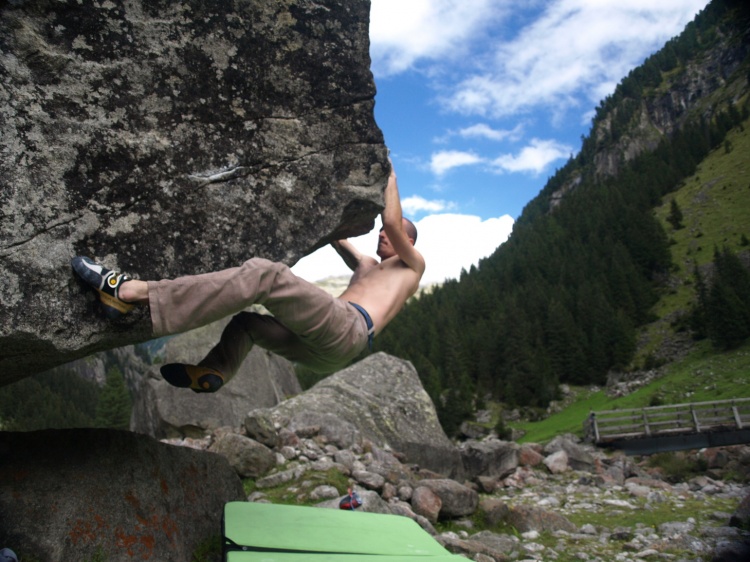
<point x="503" y="432"/>
<point x="677" y="467"/>
<point x="652" y="362"/>
<point x="656" y="400"/>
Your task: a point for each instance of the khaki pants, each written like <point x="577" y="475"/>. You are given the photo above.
<point x="308" y="325"/>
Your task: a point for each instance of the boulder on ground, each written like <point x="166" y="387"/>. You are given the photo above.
<point x="528" y="518"/>
<point x="248" y="457"/>
<point x="530" y="454"/>
<point x="427" y="503"/>
<point x="557" y="462"/>
<point x="457" y="499"/>
<point x="472" y="549"/>
<point x="83" y="494"/>
<point x="491" y="457"/>
<point x="578" y="457"/>
<point x="379" y="399"/>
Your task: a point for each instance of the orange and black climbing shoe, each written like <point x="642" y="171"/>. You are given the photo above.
<point x="194" y="377"/>
<point x="106" y="283"/>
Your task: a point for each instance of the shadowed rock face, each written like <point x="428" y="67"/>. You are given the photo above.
<point x="160" y="410"/>
<point x="86" y="494"/>
<point x="171" y="138"/>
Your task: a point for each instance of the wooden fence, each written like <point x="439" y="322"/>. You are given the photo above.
<point x="699" y="417"/>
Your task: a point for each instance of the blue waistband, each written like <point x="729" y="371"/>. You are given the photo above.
<point x="368" y="321"/>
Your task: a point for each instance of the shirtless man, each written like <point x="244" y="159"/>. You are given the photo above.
<point x="308" y="326"/>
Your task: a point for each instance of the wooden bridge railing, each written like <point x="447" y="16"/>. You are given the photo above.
<point x="609" y="425"/>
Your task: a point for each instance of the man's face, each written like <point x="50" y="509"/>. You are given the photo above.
<point x="385" y="250"/>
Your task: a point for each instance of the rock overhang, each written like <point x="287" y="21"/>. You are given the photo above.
<point x="168" y="139"/>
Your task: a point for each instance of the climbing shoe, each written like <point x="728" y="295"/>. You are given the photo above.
<point x="106" y="283"/>
<point x="194" y="377"/>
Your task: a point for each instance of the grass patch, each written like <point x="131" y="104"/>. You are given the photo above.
<point x="298" y="492"/>
<point x="570" y="420"/>
<point x="208" y="550"/>
<point x="715" y="203"/>
<point x="705" y="375"/>
<point x="654" y="514"/>
<point x="702" y="376"/>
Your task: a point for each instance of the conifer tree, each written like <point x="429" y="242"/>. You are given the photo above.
<point x="563" y="344"/>
<point x="675" y="215"/>
<point x="731" y="270"/>
<point x="429" y="376"/>
<point x="699" y="313"/>
<point x="728" y="326"/>
<point x="456" y="404"/>
<point x="113" y="408"/>
<point x="728" y="307"/>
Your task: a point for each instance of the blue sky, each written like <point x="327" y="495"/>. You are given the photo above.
<point x="480" y="101"/>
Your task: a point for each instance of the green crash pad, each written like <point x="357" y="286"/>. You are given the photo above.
<point x="316" y="557"/>
<point x="285" y="533"/>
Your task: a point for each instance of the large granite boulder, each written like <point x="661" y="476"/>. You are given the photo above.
<point x="72" y="495"/>
<point x="379" y="399"/>
<point x="170" y="138"/>
<point x="163" y="411"/>
<point x="579" y="458"/>
<point x="456" y="499"/>
<point x="492" y="458"/>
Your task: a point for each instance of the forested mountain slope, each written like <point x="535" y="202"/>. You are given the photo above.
<point x="565" y="299"/>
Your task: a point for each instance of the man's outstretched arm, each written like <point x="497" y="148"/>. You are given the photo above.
<point x="351" y="256"/>
<point x="394" y="226"/>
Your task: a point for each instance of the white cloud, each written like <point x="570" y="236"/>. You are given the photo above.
<point x="575" y="48"/>
<point x="445" y="160"/>
<point x="417" y="204"/>
<point x="452" y="242"/>
<point x="448" y="242"/>
<point x="402" y="32"/>
<point x="482" y="130"/>
<point x="533" y="158"/>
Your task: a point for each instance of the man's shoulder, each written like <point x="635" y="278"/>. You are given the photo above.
<point x="416" y="262"/>
<point x="400" y="266"/>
